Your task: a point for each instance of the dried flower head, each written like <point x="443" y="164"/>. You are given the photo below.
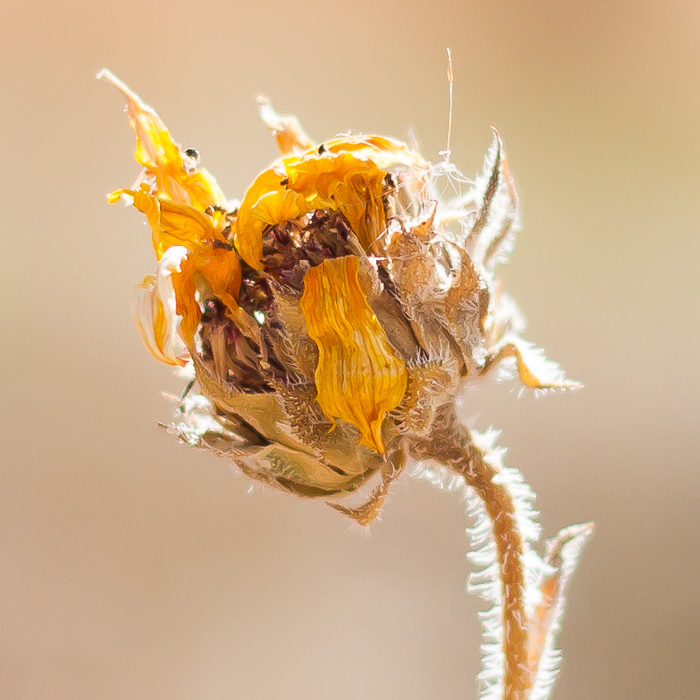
<point x="329" y="320"/>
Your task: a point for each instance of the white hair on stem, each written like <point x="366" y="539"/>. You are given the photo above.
<point x="485" y="581"/>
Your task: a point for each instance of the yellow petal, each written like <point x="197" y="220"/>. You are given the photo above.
<point x="350" y="185"/>
<point x="291" y="138"/>
<point x="171" y="223"/>
<point x="338" y="181"/>
<point x="217" y="272"/>
<point x="222" y="271"/>
<point x="359" y="377"/>
<point x="188" y="247"/>
<point x="384" y="152"/>
<point x="176" y="179"/>
<point x="179" y="261"/>
<point x="274" y="207"/>
<point x="218" y="269"/>
<point x="248" y="233"/>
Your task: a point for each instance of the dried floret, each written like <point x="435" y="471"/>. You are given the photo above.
<point x="330" y="321"/>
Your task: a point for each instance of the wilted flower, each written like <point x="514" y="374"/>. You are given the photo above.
<point x="330" y="319"/>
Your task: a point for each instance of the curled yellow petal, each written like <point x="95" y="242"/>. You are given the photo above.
<point x="222" y="272"/>
<point x="211" y="272"/>
<point x="383" y="151"/>
<point x="196" y="257"/>
<point x="171" y="223"/>
<point x="350" y="185"/>
<point x="297" y="185"/>
<point x="251" y="221"/>
<point x="176" y="177"/>
<point x="359" y="377"/>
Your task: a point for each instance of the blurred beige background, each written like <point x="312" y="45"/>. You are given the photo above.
<point x="132" y="568"/>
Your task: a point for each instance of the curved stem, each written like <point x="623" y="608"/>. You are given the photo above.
<point x="452" y="445"/>
<point x="509" y="547"/>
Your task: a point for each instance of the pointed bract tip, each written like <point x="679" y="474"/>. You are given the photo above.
<point x="267" y="113"/>
<point x="586" y="529"/>
<point x="497" y="137"/>
<point x="108" y="76"/>
<point x="573" y="534"/>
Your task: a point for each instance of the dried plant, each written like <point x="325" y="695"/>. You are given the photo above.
<point x="329" y="320"/>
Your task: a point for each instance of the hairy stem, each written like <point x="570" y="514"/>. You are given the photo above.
<point x="452" y="445"/>
<point x="509" y="546"/>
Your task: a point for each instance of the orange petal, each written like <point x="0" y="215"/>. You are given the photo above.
<point x="222" y="271"/>
<point x="186" y="297"/>
<point x="176" y="179"/>
<point x="359" y="377"/>
<point x="218" y="268"/>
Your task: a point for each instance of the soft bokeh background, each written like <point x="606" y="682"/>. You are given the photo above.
<point x="132" y="568"/>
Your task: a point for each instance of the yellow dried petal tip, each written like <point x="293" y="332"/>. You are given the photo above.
<point x="291" y="138"/>
<point x="359" y="377"/>
<point x="176" y="177"/>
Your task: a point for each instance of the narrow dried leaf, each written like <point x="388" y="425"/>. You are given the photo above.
<point x="535" y="371"/>
<point x="563" y="553"/>
<point x="492" y="185"/>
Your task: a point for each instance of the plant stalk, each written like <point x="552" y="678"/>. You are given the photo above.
<point x="451" y="444"/>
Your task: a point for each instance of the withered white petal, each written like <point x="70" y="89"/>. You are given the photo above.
<point x="153" y="307"/>
<point x="172" y="343"/>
